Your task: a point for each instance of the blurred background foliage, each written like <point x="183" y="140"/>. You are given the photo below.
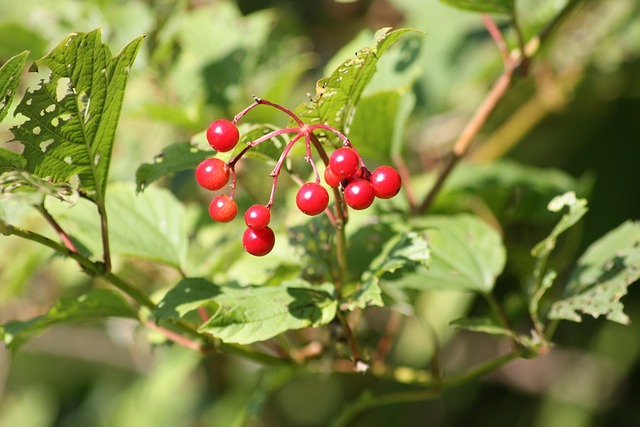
<point x="578" y="112"/>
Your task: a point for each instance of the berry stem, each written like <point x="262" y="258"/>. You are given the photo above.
<point x="308" y="158"/>
<point x="259" y="141"/>
<point x="276" y="170"/>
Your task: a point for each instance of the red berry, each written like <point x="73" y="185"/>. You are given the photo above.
<point x="344" y="162"/>
<point x="312" y="198"/>
<point x="222" y="135"/>
<point x="212" y="174"/>
<point x="223" y="208"/>
<point x="359" y="194"/>
<point x="258" y="242"/>
<point x="257" y="217"/>
<point x="386" y="182"/>
<point x="331" y="179"/>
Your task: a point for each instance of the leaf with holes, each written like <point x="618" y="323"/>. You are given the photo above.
<point x="94" y="305"/>
<point x="245" y="315"/>
<point x="601" y="277"/>
<point x="337" y="95"/>
<point x="72" y="117"/>
<point x="9" y="79"/>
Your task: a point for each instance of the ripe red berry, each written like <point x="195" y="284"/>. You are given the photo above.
<point x="359" y="194"/>
<point x="312" y="198"/>
<point x="212" y="174"/>
<point x="222" y="135"/>
<point x="258" y="242"/>
<point x="330" y="178"/>
<point x="344" y="162"/>
<point x="386" y="182"/>
<point x="257" y="217"/>
<point x="223" y="208"/>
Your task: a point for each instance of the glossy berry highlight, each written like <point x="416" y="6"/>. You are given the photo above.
<point x="312" y="198"/>
<point x="212" y="174"/>
<point x="223" y="208"/>
<point x="359" y="194"/>
<point x="258" y="242"/>
<point x="223" y="135"/>
<point x="386" y="182"/>
<point x="257" y="217"/>
<point x="344" y="162"/>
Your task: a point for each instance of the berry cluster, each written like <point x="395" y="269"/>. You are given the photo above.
<point x="345" y="171"/>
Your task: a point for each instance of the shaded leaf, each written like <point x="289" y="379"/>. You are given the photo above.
<point x="601" y="277"/>
<point x="94" y="305"/>
<point x="145" y="225"/>
<point x="172" y="159"/>
<point x="337" y="95"/>
<point x="249" y="314"/>
<point x="483" y="325"/>
<point x="466" y="255"/>
<point x="10" y="160"/>
<point x="31" y="189"/>
<point x="403" y="250"/>
<point x="72" y="134"/>
<point x="577" y="209"/>
<point x="9" y="80"/>
<point x="484" y="6"/>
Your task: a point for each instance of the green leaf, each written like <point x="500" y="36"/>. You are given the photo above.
<point x="146" y="225"/>
<point x="72" y="118"/>
<point x="403" y="250"/>
<point x="483" y="6"/>
<point x="94" y="305"/>
<point x="466" y="255"/>
<point x="577" y="209"/>
<point x="268" y="151"/>
<point x="9" y="80"/>
<point x="174" y="158"/>
<point x="10" y="160"/>
<point x="601" y="277"/>
<point x="337" y="95"/>
<point x="245" y="315"/>
<point x="483" y="325"/>
<point x="31" y="189"/>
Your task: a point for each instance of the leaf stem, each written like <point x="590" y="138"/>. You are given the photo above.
<point x="502" y="316"/>
<point x="68" y="243"/>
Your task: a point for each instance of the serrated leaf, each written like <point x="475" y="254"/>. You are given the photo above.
<point x="403" y="250"/>
<point x="245" y="315"/>
<point x="94" y="305"/>
<point x="172" y="159"/>
<point x="466" y="255"/>
<point x="601" y="277"/>
<point x="145" y="225"/>
<point x="9" y="80"/>
<point x="483" y="6"/>
<point x="10" y="160"/>
<point x="337" y="95"/>
<point x="72" y="134"/>
<point x="577" y="209"/>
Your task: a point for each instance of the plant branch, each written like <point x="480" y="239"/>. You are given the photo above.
<point x="68" y="243"/>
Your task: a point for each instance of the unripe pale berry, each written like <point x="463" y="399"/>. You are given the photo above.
<point x="312" y="198"/>
<point x="222" y="135"/>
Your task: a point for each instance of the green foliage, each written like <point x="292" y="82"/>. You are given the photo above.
<point x="337" y="95"/>
<point x="94" y="305"/>
<point x="9" y="80"/>
<point x="71" y="133"/>
<point x="174" y="158"/>
<point x="240" y="315"/>
<point x="484" y="6"/>
<point x="601" y="277"/>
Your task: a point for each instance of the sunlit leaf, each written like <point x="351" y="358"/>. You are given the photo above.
<point x="72" y="118"/>
<point x="601" y="277"/>
<point x="94" y="305"/>
<point x="337" y="95"/>
<point x="466" y="255"/>
<point x="249" y="314"/>
<point x="9" y="80"/>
